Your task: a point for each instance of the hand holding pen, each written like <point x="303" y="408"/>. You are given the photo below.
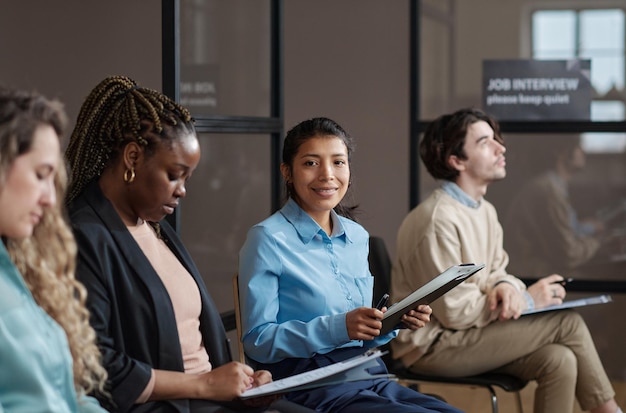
<point x="364" y="323"/>
<point x="564" y="281"/>
<point x="549" y="290"/>
<point x="382" y="302"/>
<point x="414" y="319"/>
<point x="555" y="292"/>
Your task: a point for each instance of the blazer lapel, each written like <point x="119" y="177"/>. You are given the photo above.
<point x="136" y="259"/>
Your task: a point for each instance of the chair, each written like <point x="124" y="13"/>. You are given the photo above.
<point x="290" y="407"/>
<point x="242" y="356"/>
<point x="380" y="267"/>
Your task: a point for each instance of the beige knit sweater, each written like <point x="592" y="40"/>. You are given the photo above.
<point x="439" y="233"/>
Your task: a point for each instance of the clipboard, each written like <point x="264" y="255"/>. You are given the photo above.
<point x="353" y="369"/>
<point x="583" y="302"/>
<point x="428" y="293"/>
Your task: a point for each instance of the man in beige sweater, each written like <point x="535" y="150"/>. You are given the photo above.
<point x="477" y="327"/>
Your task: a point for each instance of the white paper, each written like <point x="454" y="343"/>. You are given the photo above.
<point x="600" y="299"/>
<point x="320" y="377"/>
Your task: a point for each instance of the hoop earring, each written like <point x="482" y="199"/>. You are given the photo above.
<point x="129" y="175"/>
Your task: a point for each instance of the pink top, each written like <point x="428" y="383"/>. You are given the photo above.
<point x="185" y="297"/>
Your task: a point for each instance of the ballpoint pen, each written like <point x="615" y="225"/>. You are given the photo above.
<point x="564" y="281"/>
<point x="382" y="302"/>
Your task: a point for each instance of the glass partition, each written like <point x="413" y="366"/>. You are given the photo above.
<point x="563" y="210"/>
<point x="225" y="57"/>
<point x="457" y="36"/>
<point x="227" y="194"/>
<point x="563" y="177"/>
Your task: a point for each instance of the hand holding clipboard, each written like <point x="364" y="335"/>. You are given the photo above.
<point x="428" y="293"/>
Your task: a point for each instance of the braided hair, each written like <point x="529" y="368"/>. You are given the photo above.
<point x="115" y="113"/>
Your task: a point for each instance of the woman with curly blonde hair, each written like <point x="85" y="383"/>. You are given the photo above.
<point x="50" y="360"/>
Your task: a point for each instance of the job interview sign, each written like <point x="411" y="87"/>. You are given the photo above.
<point x="537" y="89"/>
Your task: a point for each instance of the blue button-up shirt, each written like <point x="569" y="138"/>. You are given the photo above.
<point x="297" y="283"/>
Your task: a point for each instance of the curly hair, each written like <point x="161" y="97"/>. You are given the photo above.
<point x="117" y="112"/>
<point x="46" y="260"/>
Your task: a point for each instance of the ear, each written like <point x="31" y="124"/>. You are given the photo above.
<point x="132" y="154"/>
<point x="285" y="171"/>
<point x="456" y="163"/>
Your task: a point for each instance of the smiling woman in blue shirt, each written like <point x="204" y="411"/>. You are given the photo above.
<point x="306" y="290"/>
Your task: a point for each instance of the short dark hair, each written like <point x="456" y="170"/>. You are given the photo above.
<point x="445" y="136"/>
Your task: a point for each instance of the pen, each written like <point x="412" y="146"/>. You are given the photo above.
<point x="564" y="282"/>
<point x="382" y="302"/>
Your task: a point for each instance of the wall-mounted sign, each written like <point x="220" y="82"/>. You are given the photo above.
<point x="198" y="89"/>
<point x="537" y="89"/>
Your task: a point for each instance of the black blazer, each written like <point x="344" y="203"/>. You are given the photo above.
<point x="130" y="308"/>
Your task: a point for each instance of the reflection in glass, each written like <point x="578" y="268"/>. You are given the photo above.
<point x="544" y="232"/>
<point x="225" y="57"/>
<point x="453" y="44"/>
<point x="227" y="194"/>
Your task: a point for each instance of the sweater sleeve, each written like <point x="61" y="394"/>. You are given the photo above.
<point x="443" y="233"/>
<point x="464" y="306"/>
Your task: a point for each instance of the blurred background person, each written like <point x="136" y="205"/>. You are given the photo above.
<point x="543" y="231"/>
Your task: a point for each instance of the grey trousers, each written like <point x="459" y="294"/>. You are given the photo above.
<point x="554" y="348"/>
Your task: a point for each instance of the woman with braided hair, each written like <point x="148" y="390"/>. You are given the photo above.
<point x="48" y="352"/>
<point x="162" y="339"/>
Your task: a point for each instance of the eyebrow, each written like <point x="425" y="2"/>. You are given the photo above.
<point x="483" y="137"/>
<point x="315" y="155"/>
<point x="182" y="165"/>
<point x="47" y="167"/>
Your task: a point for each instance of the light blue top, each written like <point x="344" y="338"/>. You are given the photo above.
<point x="35" y="361"/>
<point x="297" y="284"/>
<point x="455" y="191"/>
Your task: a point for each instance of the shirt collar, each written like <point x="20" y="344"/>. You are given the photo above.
<point x="455" y="191"/>
<point x="306" y="227"/>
